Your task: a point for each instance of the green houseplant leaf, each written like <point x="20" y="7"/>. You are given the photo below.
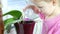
<point x="8" y="22"/>
<point x="15" y="13"/>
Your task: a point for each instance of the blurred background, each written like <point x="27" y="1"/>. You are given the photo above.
<point x="12" y="5"/>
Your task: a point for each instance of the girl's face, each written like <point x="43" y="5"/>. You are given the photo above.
<point x="45" y="6"/>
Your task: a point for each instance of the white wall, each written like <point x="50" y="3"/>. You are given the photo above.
<point x="11" y="5"/>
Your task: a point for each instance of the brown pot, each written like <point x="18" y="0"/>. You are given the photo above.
<point x="26" y="28"/>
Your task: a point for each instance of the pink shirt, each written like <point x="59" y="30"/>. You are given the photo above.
<point x="51" y="26"/>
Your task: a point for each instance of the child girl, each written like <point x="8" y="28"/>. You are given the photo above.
<point x="49" y="11"/>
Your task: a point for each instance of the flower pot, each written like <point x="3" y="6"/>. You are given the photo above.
<point x="25" y="27"/>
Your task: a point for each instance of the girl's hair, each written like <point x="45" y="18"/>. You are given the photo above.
<point x="38" y="1"/>
<point x="42" y="0"/>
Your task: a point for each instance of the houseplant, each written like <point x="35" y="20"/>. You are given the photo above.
<point x="16" y="16"/>
<point x="22" y="26"/>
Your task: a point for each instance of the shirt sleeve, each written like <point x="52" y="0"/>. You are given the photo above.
<point x="55" y="29"/>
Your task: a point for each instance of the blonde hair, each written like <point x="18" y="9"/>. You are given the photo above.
<point x="38" y="1"/>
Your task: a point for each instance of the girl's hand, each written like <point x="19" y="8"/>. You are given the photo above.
<point x="34" y="8"/>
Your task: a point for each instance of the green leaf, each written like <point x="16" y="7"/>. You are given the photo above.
<point x="8" y="28"/>
<point x="8" y="22"/>
<point x="15" y="13"/>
